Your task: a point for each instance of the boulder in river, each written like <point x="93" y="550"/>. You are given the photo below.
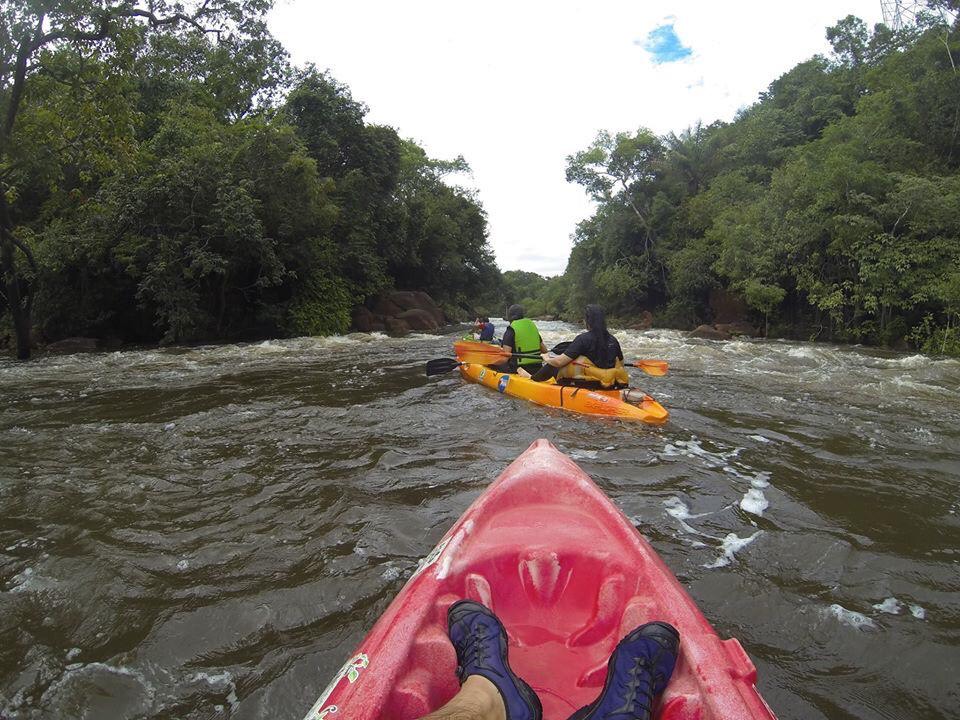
<point x="644" y="322"/>
<point x="72" y="345"/>
<point x="399" y="312"/>
<point x="708" y="332"/>
<point x="738" y="327"/>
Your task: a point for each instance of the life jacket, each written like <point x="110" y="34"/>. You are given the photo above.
<point x="584" y="373"/>
<point x="526" y="340"/>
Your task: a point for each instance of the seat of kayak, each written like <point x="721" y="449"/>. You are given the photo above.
<point x="565" y="604"/>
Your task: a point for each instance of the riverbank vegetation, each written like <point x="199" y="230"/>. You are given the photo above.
<point x="167" y="175"/>
<point x="831" y="206"/>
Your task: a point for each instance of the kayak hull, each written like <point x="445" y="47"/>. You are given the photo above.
<point x="604" y="403"/>
<point x="568" y="575"/>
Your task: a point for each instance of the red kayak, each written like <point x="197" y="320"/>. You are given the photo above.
<point x="568" y="576"/>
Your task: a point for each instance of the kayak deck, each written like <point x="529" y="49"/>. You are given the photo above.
<point x="569" y="576"/>
<point x="605" y="403"/>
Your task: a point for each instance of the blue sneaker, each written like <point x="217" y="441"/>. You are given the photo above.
<point x="639" y="669"/>
<point x="481" y="644"/>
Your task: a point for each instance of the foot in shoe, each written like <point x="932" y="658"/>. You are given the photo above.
<point x="639" y="669"/>
<point x="481" y="645"/>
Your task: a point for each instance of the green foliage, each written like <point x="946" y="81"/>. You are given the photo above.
<point x="322" y="306"/>
<point x="176" y="185"/>
<point x="834" y="198"/>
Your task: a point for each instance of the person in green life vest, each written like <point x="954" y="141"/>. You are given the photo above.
<point x="521" y="336"/>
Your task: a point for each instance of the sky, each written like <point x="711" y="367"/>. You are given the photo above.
<point x="516" y="87"/>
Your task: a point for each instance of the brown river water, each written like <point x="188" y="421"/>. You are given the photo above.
<point x="207" y="532"/>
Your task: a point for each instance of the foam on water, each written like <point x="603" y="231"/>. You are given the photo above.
<point x="729" y="546"/>
<point x="850" y="617"/>
<point x="754" y="501"/>
<point x="692" y="448"/>
<point x="678" y="510"/>
<point x="390" y="573"/>
<point x="583" y="454"/>
<point x="221" y="681"/>
<point x="83" y="669"/>
<point x="891" y="606"/>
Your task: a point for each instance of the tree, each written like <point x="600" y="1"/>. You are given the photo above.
<point x="34" y="31"/>
<point x="624" y="167"/>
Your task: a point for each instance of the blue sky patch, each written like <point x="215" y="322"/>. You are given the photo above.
<point x="664" y="45"/>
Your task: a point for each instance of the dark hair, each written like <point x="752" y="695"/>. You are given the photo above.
<point x="485" y="319"/>
<point x="515" y="312"/>
<point x="596" y="323"/>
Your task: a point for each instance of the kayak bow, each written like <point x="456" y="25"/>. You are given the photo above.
<point x="569" y="576"/>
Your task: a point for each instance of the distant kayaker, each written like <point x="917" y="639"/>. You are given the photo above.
<point x="486" y="329"/>
<point x="640" y="669"/>
<point x="522" y="336"/>
<point x="594" y="358"/>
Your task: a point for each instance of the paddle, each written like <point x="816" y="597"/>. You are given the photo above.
<point x="650" y="367"/>
<point x="441" y="366"/>
<point x="484" y="354"/>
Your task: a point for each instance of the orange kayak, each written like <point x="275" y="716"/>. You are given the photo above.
<point x="606" y="403"/>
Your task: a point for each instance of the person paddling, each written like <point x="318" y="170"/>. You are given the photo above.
<point x="593" y="360"/>
<point x="522" y="336"/>
<point x="486" y="330"/>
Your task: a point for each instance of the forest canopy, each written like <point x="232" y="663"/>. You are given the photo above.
<point x="831" y="206"/>
<point x="167" y="175"/>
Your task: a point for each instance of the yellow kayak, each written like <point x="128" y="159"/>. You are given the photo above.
<point x="606" y="403"/>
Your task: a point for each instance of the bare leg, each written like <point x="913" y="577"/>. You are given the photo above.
<point x="478" y="699"/>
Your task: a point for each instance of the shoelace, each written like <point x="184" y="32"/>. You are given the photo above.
<point x="473" y="649"/>
<point x="637" y="691"/>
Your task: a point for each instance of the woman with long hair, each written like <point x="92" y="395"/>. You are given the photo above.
<point x="593" y="359"/>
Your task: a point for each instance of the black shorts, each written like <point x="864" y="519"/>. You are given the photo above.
<point x="512" y="370"/>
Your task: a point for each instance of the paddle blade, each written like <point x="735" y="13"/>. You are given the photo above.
<point x="479" y="353"/>
<point x="484" y="358"/>
<point x="441" y="366"/>
<point x="652" y="367"/>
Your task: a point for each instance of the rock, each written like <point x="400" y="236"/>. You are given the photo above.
<point x="385" y="307"/>
<point x="644" y="322"/>
<point x="363" y="320"/>
<point x="398" y="312"/>
<point x="740" y="327"/>
<point x="417" y="300"/>
<point x="396" y="326"/>
<point x="708" y="332"/>
<point x="419" y="319"/>
<point x="72" y="345"/>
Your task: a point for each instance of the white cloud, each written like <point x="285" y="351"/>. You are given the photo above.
<point x="516" y="87"/>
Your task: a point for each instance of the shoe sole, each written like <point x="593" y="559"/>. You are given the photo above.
<point x="464" y="607"/>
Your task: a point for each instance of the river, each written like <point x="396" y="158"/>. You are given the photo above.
<point x="207" y="532"/>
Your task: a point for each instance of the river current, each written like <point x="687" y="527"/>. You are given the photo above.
<point x="207" y="532"/>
